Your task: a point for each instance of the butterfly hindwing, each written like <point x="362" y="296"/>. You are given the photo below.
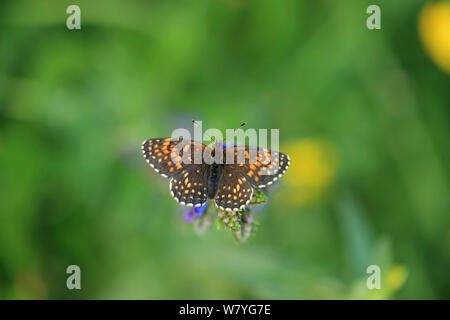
<point x="234" y="191"/>
<point x="170" y="157"/>
<point x="189" y="187"/>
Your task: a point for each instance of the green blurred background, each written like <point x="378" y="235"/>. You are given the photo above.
<point x="362" y="113"/>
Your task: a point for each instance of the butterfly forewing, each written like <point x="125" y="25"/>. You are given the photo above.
<point x="170" y="157"/>
<point x="260" y="166"/>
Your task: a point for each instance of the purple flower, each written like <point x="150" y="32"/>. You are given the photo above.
<point x="224" y="146"/>
<point x="193" y="213"/>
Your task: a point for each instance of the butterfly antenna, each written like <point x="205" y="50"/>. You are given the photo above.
<point x="195" y="123"/>
<point x="242" y="124"/>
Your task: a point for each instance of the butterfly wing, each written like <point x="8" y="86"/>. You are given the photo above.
<point x="170" y="157"/>
<point x="260" y="166"/>
<point x="234" y="190"/>
<point x="189" y="187"/>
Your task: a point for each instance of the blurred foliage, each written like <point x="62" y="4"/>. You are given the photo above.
<point x="364" y="113"/>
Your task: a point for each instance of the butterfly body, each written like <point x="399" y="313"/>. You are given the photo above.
<point x="198" y="173"/>
<point x="214" y="174"/>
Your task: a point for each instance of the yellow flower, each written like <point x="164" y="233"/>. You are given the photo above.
<point x="396" y="277"/>
<point x="434" y="31"/>
<point x="312" y="169"/>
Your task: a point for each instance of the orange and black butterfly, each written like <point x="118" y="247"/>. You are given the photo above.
<point x="230" y="183"/>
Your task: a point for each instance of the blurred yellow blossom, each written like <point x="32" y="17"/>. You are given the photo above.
<point x="434" y="31"/>
<point x="396" y="277"/>
<point x="312" y="169"/>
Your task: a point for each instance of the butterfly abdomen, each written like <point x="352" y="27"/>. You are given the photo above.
<point x="213" y="180"/>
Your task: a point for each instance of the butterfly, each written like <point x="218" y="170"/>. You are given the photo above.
<point x="198" y="173"/>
